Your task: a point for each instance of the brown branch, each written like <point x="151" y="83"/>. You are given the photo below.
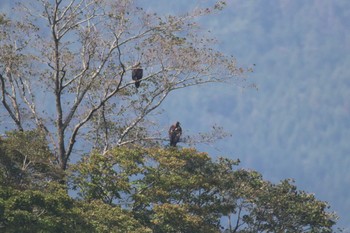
<point x="238" y="220"/>
<point x="143" y="139"/>
<point x="96" y="108"/>
<point x="80" y="97"/>
<point x="145" y="112"/>
<point x="39" y="121"/>
<point x="17" y="119"/>
<point x="105" y="125"/>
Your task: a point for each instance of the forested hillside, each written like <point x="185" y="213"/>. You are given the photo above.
<point x="297" y="124"/>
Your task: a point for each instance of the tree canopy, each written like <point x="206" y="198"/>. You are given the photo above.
<point x="149" y="190"/>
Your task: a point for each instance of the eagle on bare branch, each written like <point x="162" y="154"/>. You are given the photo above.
<point x="175" y="132"/>
<point x="137" y="73"/>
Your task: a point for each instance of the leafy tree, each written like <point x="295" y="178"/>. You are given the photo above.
<point x="32" y="198"/>
<point x="38" y="211"/>
<point x="78" y="55"/>
<point x="53" y="210"/>
<point x="105" y="218"/>
<point x="145" y="190"/>
<point x="282" y="208"/>
<point x="170" y="190"/>
<point x="26" y="161"/>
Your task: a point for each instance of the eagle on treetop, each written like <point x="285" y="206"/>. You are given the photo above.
<point x="175" y="132"/>
<point x="137" y="73"/>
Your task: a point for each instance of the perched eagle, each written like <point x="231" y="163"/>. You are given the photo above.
<point x="175" y="132"/>
<point x="137" y="73"/>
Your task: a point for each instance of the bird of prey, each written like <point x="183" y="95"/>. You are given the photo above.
<point x="175" y="132"/>
<point x="137" y="73"/>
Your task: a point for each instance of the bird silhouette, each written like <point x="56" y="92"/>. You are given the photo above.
<point x="137" y="73"/>
<point x="175" y="132"/>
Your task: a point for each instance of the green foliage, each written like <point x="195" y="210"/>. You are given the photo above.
<point x="38" y="211"/>
<point x="25" y="160"/>
<point x="170" y="190"/>
<point x="106" y="177"/>
<point x="109" y="218"/>
<point x="32" y="200"/>
<point x="146" y="190"/>
<point x="281" y="208"/>
<point x="54" y="211"/>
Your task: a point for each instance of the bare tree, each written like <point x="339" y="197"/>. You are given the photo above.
<point x="66" y="68"/>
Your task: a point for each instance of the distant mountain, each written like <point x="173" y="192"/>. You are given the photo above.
<point x="297" y="125"/>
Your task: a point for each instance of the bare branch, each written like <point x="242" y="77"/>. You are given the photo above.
<point x="143" y="139"/>
<point x="31" y="104"/>
<point x="149" y="108"/>
<point x="103" y="101"/>
<point x="14" y="115"/>
<point x="90" y="49"/>
<point x="105" y="126"/>
<point x="80" y="95"/>
<point x="69" y="6"/>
